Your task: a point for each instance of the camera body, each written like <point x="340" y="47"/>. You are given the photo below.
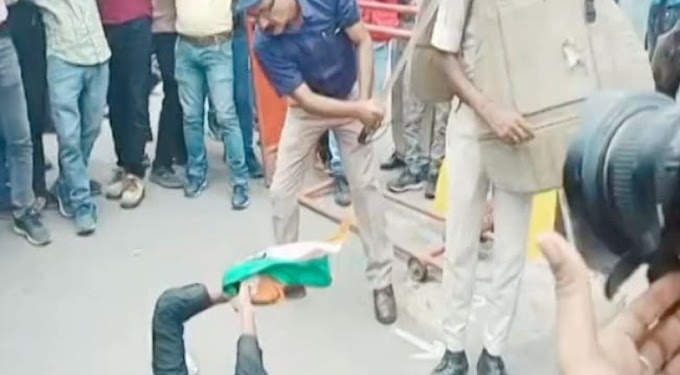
<point x="622" y="181"/>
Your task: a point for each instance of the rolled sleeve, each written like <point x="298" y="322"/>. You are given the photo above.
<point x="449" y="26"/>
<point x="349" y="13"/>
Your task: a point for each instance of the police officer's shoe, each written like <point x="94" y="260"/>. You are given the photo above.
<point x="452" y="364"/>
<point x="385" y="305"/>
<point x="393" y="162"/>
<point x="490" y="365"/>
<point x="342" y="197"/>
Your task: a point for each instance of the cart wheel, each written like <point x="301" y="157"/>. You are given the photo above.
<point x="417" y="270"/>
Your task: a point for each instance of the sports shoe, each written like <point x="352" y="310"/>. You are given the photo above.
<point x="134" y="192"/>
<point x="405" y="182"/>
<point x="167" y="178"/>
<point x="63" y="199"/>
<point x="240" y="199"/>
<point x="194" y="187"/>
<point x="30" y="226"/>
<point x="115" y="188"/>
<point x="86" y="219"/>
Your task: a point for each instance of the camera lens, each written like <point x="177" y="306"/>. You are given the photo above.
<point x="621" y="175"/>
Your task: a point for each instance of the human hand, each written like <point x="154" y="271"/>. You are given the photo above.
<point x="370" y="113"/>
<point x="642" y="340"/>
<point x="510" y="126"/>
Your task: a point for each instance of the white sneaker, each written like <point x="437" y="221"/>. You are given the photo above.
<point x="114" y="190"/>
<point x="133" y="192"/>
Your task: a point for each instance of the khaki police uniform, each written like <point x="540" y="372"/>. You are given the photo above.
<point x="468" y="191"/>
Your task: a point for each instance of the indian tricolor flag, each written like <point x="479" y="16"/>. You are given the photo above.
<point x="295" y="264"/>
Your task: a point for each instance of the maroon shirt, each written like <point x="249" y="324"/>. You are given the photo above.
<point x="115" y="12"/>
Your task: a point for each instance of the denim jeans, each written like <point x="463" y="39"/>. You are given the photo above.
<point x="203" y="72"/>
<point x="77" y="98"/>
<point x="130" y="72"/>
<point x="14" y="129"/>
<point x="380" y="73"/>
<point x="170" y="140"/>
<point x="243" y="89"/>
<point x="28" y="35"/>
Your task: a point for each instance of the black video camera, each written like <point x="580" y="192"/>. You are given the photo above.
<point x="622" y="182"/>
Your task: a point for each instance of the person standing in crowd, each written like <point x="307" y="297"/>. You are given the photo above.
<point x="28" y="35"/>
<point x="243" y="93"/>
<point x="15" y="131"/>
<point x="127" y="25"/>
<point x="320" y="55"/>
<point x="170" y="147"/>
<point x="421" y="166"/>
<point x="77" y="80"/>
<point x="204" y="68"/>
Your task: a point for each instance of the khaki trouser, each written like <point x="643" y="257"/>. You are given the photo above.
<point x="300" y="134"/>
<point x="469" y="187"/>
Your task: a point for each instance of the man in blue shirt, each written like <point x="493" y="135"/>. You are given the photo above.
<point x="309" y="50"/>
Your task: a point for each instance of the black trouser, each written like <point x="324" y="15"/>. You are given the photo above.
<point x="130" y="69"/>
<point x="170" y="140"/>
<point x="28" y="36"/>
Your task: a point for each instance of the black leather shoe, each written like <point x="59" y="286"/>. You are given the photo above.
<point x="452" y="364"/>
<point x="393" y="162"/>
<point x="385" y="305"/>
<point x="490" y="365"/>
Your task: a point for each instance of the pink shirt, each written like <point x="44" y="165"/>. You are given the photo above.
<point x="115" y="12"/>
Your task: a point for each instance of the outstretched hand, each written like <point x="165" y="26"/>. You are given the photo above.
<point x="643" y="340"/>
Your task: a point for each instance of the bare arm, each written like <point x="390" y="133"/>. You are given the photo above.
<point x="323" y="105"/>
<point x="451" y="65"/>
<point x="362" y="40"/>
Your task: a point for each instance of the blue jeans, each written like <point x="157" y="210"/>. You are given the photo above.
<point x="243" y="89"/>
<point x="380" y="74"/>
<point x="78" y="98"/>
<point x="15" y="130"/>
<point x="203" y="72"/>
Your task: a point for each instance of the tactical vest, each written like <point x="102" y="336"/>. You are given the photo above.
<point x="541" y="58"/>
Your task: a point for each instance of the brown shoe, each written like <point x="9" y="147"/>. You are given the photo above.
<point x="134" y="192"/>
<point x="385" y="305"/>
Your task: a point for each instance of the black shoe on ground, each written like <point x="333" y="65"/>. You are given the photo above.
<point x="431" y="187"/>
<point x="167" y="178"/>
<point x="490" y="365"/>
<point x="240" y="199"/>
<point x="194" y="187"/>
<point x="95" y="188"/>
<point x="342" y="197"/>
<point x="385" y="305"/>
<point x="452" y="364"/>
<point x="405" y="182"/>
<point x="30" y="226"/>
<point x="393" y="162"/>
<point x="294" y="291"/>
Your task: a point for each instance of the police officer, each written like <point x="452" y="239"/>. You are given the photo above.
<point x="454" y="38"/>
<point x="309" y="51"/>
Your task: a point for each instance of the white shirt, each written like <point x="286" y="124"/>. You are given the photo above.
<point x="203" y="17"/>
